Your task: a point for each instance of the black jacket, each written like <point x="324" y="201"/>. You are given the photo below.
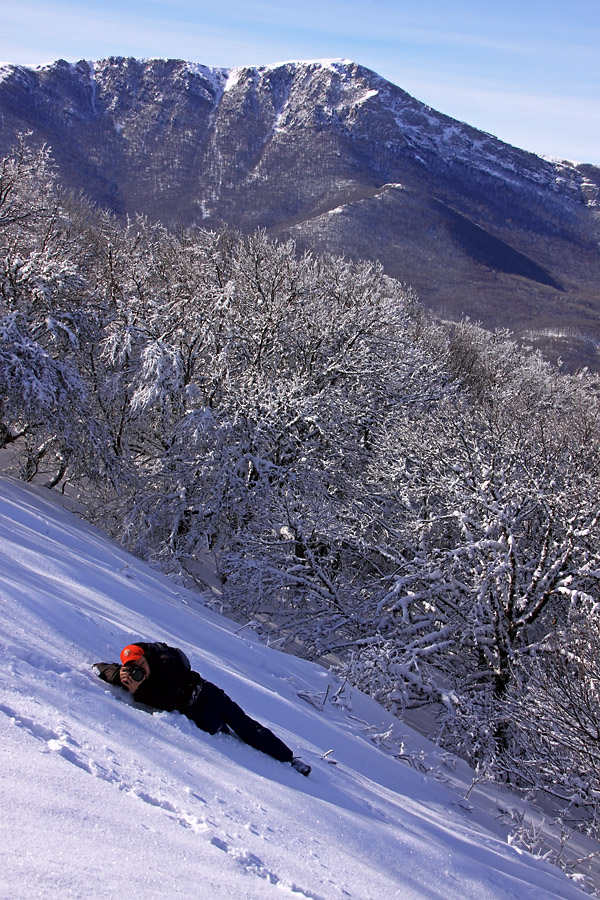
<point x="171" y="682"/>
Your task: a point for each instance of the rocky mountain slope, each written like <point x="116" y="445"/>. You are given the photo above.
<point x="331" y="154"/>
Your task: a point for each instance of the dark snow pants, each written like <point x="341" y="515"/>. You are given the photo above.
<point x="211" y="710"/>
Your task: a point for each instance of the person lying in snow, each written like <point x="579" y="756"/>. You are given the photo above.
<point x="161" y="676"/>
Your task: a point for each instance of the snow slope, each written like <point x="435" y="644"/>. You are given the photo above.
<point x="99" y="797"/>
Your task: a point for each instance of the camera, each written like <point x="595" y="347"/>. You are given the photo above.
<point x="136" y="672"/>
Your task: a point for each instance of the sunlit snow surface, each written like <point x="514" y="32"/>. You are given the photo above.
<point x="100" y="798"/>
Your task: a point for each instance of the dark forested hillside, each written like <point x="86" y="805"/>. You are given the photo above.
<point x="342" y="161"/>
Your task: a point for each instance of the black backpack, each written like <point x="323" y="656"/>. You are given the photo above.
<point x="172" y="654"/>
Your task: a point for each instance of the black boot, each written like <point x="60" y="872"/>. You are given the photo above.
<point x="300" y="766"/>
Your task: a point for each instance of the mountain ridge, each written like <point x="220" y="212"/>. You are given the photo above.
<point x="307" y="150"/>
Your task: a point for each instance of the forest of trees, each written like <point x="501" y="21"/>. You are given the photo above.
<point x="417" y="501"/>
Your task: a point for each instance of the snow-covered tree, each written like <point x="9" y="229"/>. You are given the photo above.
<point x="499" y="487"/>
<point x="255" y="387"/>
<point x="43" y="315"/>
<point x="555" y="711"/>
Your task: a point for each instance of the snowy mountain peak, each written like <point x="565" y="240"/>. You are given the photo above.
<point x="480" y="229"/>
<point x="338" y="88"/>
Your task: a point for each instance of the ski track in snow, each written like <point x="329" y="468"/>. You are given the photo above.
<point x="97" y="791"/>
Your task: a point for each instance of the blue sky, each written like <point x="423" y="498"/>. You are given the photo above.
<point x="525" y="70"/>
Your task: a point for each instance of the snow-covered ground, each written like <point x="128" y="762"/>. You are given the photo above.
<point x="100" y="798"/>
